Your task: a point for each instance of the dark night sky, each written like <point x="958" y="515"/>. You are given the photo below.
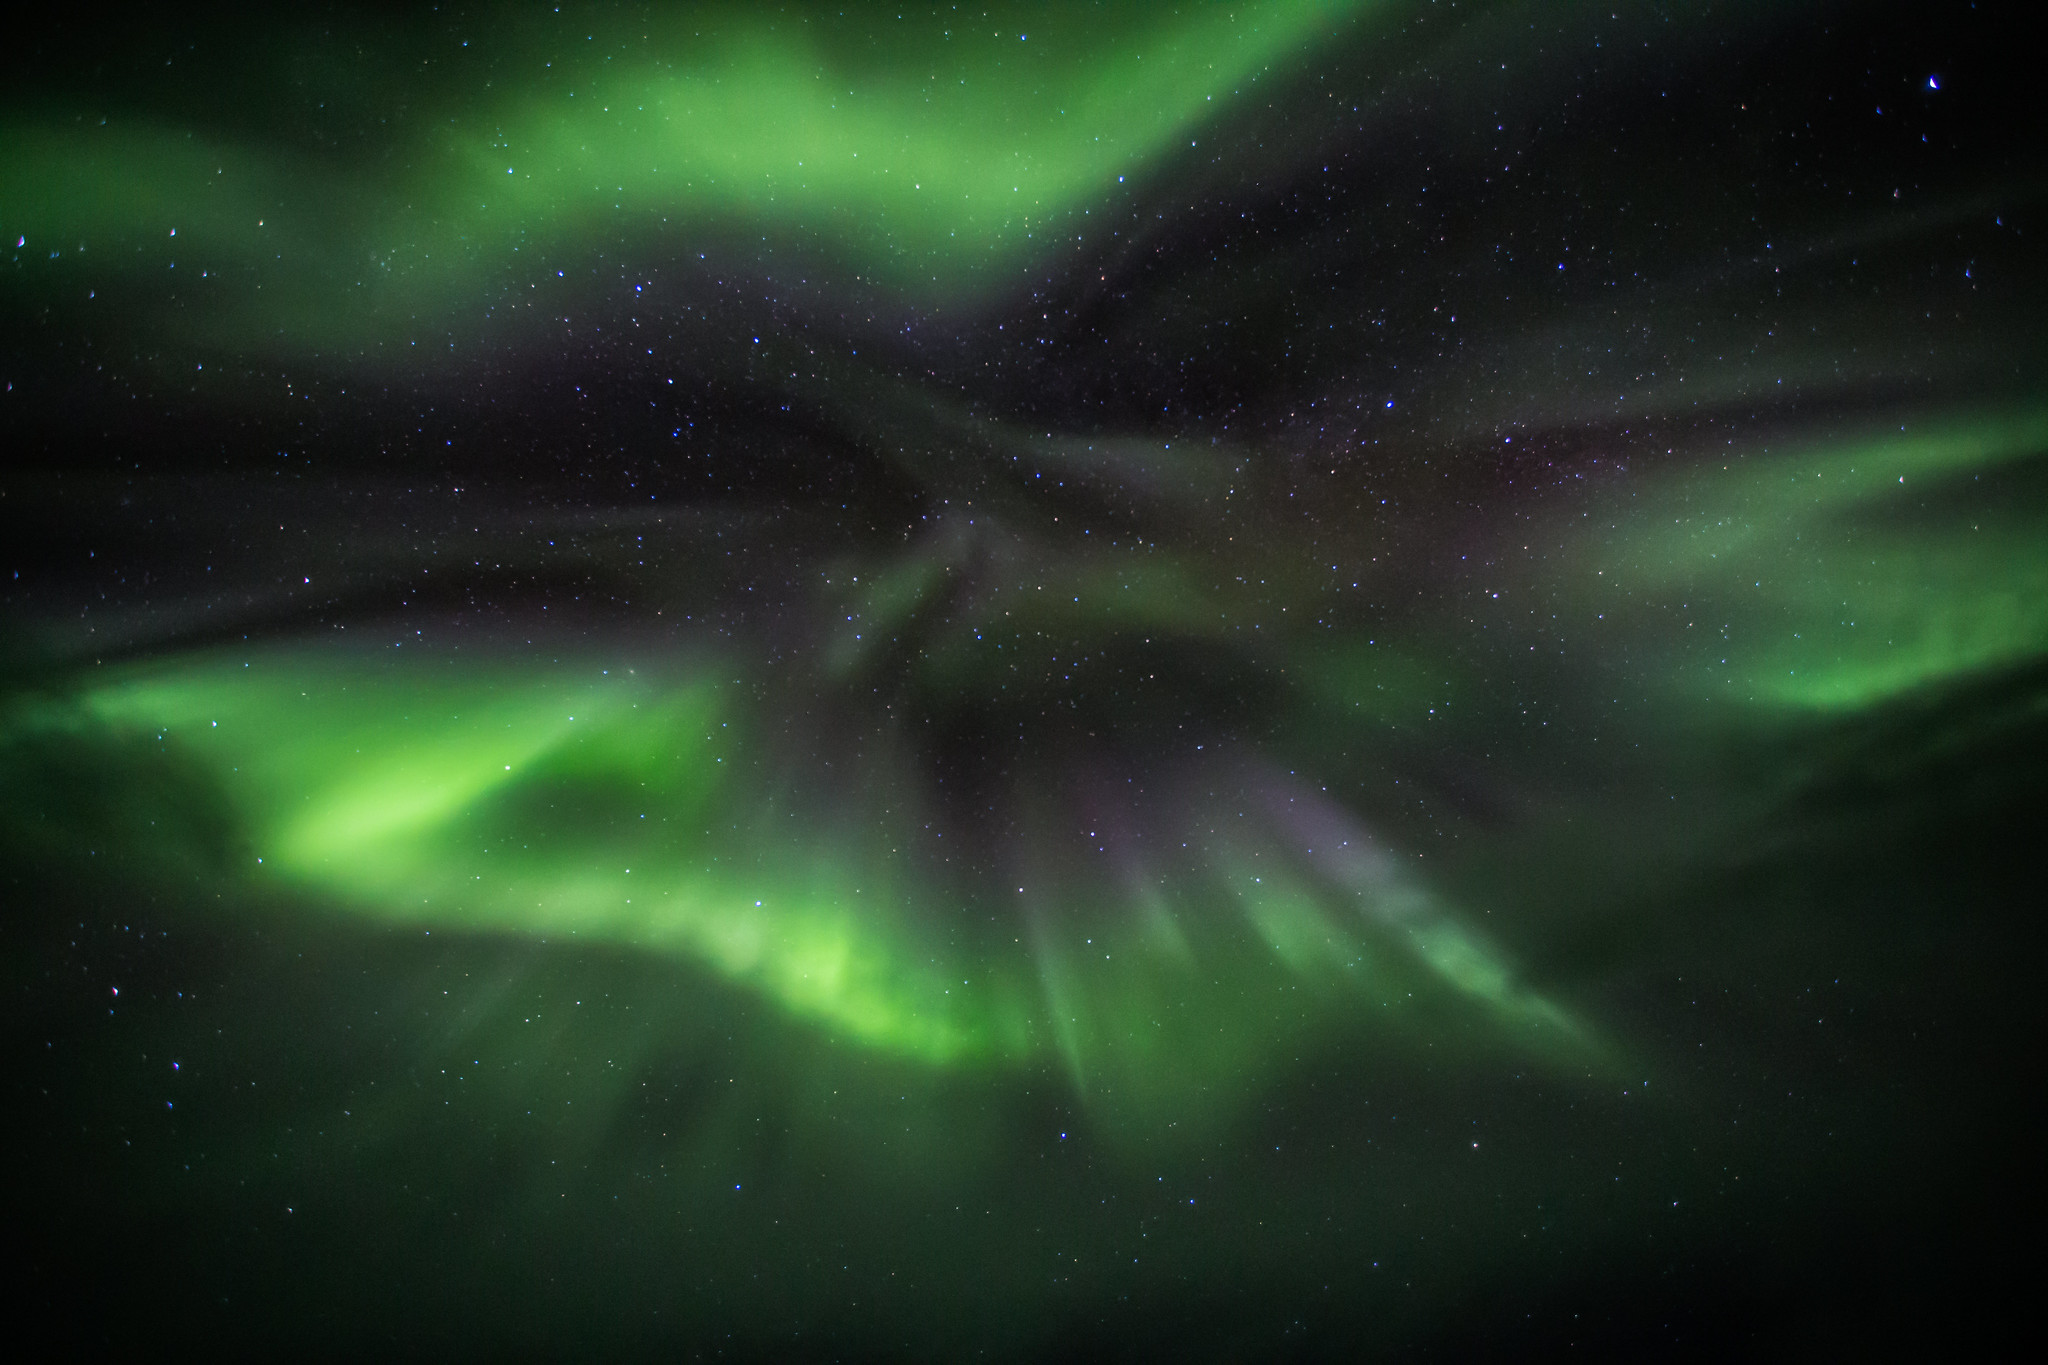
<point x="1286" y="681"/>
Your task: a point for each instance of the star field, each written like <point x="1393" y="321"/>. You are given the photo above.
<point x="1296" y="680"/>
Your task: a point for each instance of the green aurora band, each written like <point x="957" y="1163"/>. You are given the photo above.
<point x="1284" y="727"/>
<point x="609" y="803"/>
<point x="930" y="162"/>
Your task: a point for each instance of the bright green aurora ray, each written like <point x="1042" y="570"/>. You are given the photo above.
<point x="929" y="164"/>
<point x="614" y="809"/>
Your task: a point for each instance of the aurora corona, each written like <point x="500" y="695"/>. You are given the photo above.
<point x="893" y="677"/>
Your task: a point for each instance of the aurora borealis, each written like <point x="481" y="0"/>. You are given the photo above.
<point x="1294" y="680"/>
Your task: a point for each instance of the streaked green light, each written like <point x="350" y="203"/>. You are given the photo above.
<point x="628" y="808"/>
<point x="1836" y="574"/>
<point x="958" y="149"/>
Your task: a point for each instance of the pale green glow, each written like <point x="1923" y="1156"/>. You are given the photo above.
<point x="1374" y="680"/>
<point x="977" y="132"/>
<point x="1835" y="575"/>
<point x="957" y="149"/>
<point x="627" y="808"/>
<point x="387" y="790"/>
<point x="1939" y="606"/>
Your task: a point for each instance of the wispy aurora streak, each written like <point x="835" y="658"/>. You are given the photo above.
<point x="1152" y="868"/>
<point x="615" y="810"/>
<point x="1854" y="570"/>
<point x="932" y="164"/>
<point x="482" y="796"/>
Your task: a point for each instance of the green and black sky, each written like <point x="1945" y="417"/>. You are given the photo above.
<point x="1299" y="680"/>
